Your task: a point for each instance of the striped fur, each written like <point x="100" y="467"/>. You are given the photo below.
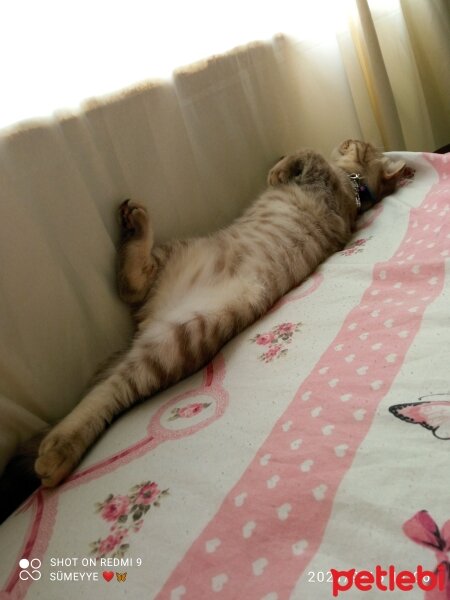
<point x="191" y="297"/>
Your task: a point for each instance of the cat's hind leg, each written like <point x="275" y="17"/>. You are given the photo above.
<point x="162" y="355"/>
<point x="137" y="267"/>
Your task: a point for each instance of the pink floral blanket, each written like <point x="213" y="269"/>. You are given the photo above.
<point x="309" y="460"/>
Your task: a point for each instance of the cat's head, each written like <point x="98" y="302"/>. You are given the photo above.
<point x="379" y="173"/>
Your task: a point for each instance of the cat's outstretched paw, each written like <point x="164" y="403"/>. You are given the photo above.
<point x="133" y="220"/>
<point x="58" y="456"/>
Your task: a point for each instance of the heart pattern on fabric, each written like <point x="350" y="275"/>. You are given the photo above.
<point x="240" y="499"/>
<point x="306" y="465"/>
<point x="248" y="529"/>
<point x="299" y="547"/>
<point x="259" y="565"/>
<point x="212" y="545"/>
<point x="320" y="491"/>
<point x="218" y="582"/>
<point x="283" y="511"/>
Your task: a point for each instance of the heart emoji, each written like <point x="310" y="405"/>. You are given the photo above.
<point x="264" y="460"/>
<point x="306" y="396"/>
<point x="248" y="528"/>
<point x="108" y="575"/>
<point x="341" y="450"/>
<point x="320" y="491"/>
<point x="299" y="547"/>
<point x="259" y="565"/>
<point x="218" y="582"/>
<point x="272" y="482"/>
<point x="240" y="499"/>
<point x="283" y="511"/>
<point x="212" y="545"/>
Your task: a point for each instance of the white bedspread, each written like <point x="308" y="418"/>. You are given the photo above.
<point x="318" y="439"/>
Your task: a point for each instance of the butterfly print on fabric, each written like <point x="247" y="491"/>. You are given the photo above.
<point x="432" y="414"/>
<point x="423" y="530"/>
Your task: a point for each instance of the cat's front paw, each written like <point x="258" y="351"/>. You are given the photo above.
<point x="58" y="456"/>
<point x="133" y="219"/>
<point x="286" y="169"/>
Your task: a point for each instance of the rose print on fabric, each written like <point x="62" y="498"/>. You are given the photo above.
<point x="355" y="247"/>
<point x="422" y="529"/>
<point x="186" y="412"/>
<point x="432" y="414"/>
<point x="126" y="515"/>
<point x="276" y="340"/>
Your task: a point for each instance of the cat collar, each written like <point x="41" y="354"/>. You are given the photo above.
<point x="360" y="189"/>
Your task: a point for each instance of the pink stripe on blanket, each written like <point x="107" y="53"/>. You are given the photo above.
<point x="271" y="523"/>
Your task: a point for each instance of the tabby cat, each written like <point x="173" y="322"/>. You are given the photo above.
<point x="192" y="296"/>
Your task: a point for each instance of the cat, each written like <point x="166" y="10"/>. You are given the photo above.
<point x="190" y="297"/>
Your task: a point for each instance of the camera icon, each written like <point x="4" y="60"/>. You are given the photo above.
<point x="34" y="565"/>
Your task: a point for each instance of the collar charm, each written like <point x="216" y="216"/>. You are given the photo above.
<point x="355" y="179"/>
<point x="364" y="199"/>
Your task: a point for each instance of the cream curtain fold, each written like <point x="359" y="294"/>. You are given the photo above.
<point x="196" y="151"/>
<point x="386" y="77"/>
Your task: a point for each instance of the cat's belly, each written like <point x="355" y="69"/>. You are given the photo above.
<point x="199" y="282"/>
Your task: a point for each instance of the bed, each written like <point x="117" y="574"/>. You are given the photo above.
<point x="316" y="442"/>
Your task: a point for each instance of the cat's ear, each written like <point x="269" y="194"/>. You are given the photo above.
<point x="392" y="168"/>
